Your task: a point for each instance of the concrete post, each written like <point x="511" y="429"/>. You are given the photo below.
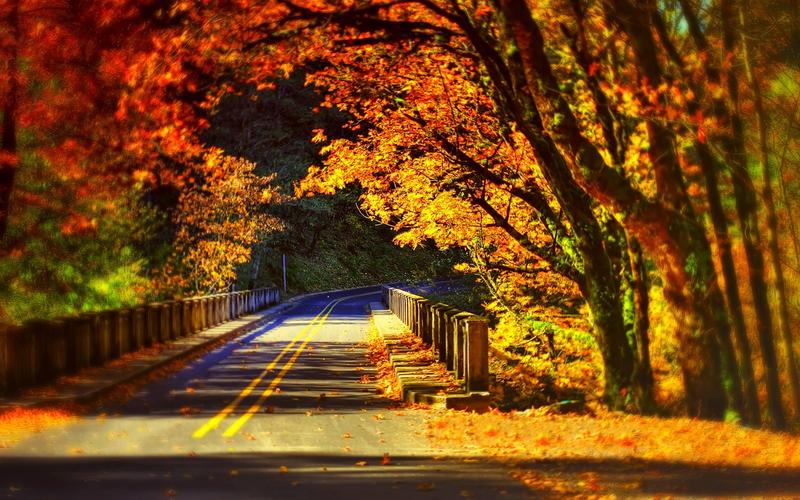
<point x="7" y="385"/>
<point x="138" y="327"/>
<point x="203" y="313"/>
<point x="226" y="307"/>
<point x="450" y="339"/>
<point x="119" y="332"/>
<point x="211" y="311"/>
<point x="217" y="310"/>
<point x="165" y="322"/>
<point x="22" y="357"/>
<point x="439" y="321"/>
<point x="79" y="343"/>
<point x="48" y="343"/>
<point x="153" y="328"/>
<point x="459" y="343"/>
<point x="477" y="354"/>
<point x="177" y="319"/>
<point x="101" y="345"/>
<point x="424" y="306"/>
<point x="187" y="317"/>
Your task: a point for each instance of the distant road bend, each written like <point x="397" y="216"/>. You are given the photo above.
<point x="282" y="411"/>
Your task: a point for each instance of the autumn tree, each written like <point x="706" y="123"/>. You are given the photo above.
<point x="579" y="84"/>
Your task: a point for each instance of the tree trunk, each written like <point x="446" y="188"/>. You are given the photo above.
<point x="746" y="208"/>
<point x="752" y="413"/>
<point x="677" y="242"/>
<point x="772" y="218"/>
<point x="710" y="168"/>
<point x="640" y="288"/>
<point x="602" y="292"/>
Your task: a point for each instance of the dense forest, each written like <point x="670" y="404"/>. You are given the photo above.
<point x="619" y="175"/>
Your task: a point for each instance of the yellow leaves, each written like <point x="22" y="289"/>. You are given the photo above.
<point x="319" y="136"/>
<point x="218" y="221"/>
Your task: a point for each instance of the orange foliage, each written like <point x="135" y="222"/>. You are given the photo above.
<point x="19" y="423"/>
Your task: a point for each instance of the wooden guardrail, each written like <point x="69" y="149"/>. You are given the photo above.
<point x="38" y="352"/>
<point x="460" y="339"/>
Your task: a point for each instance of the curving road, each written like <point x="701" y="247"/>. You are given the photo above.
<point x="280" y="412"/>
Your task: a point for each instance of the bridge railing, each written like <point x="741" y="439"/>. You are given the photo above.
<point x="40" y="351"/>
<point x="460" y="339"/>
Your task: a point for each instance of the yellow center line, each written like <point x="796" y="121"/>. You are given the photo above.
<point x="256" y="407"/>
<point x="214" y="422"/>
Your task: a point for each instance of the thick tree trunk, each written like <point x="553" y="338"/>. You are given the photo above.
<point x="602" y="293"/>
<point x="629" y="264"/>
<point x="600" y="288"/>
<point x="8" y="135"/>
<point x="677" y="242"/>
<point x="772" y="217"/>
<point x="670" y="184"/>
<point x="710" y="168"/>
<point x="640" y="289"/>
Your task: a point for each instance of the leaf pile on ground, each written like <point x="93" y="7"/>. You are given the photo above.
<point x="624" y="455"/>
<point x="19" y="423"/>
<point x="417" y="352"/>
<point x="378" y="354"/>
<point x="528" y="436"/>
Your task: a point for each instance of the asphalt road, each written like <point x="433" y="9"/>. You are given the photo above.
<point x="280" y="412"/>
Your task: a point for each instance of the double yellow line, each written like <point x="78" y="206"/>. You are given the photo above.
<point x="310" y="329"/>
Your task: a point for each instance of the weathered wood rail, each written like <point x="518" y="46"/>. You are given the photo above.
<point x="460" y="339"/>
<point x="38" y="352"/>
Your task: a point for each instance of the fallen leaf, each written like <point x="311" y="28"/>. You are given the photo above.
<point x="361" y="463"/>
<point x="386" y="459"/>
<point x="283" y="469"/>
<point x="190" y="390"/>
<point x="170" y="493"/>
<point x="188" y="410"/>
<point x="426" y="486"/>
